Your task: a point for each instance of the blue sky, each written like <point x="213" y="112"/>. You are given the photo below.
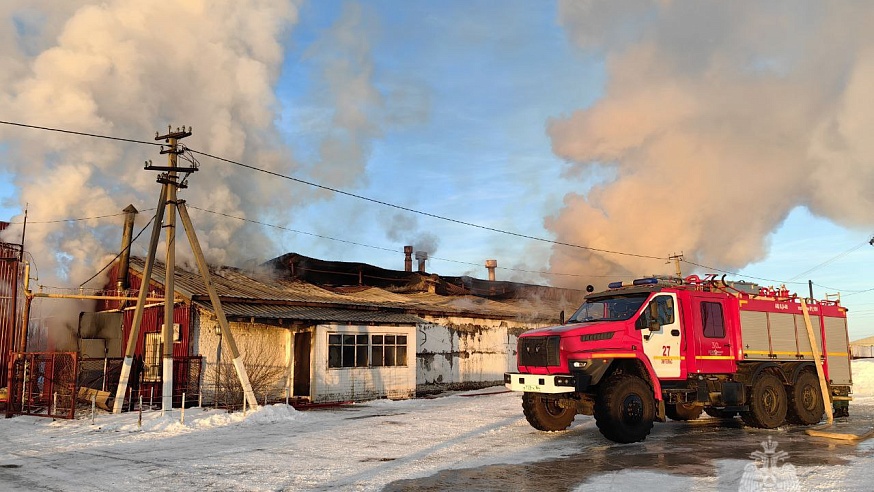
<point x="457" y="125"/>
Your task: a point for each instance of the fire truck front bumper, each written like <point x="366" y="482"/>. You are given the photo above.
<point x="546" y="383"/>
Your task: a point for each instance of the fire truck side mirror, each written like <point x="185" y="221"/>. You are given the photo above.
<point x="641" y="322"/>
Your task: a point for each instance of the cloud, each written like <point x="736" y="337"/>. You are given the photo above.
<point x="130" y="68"/>
<point x="717" y="119"/>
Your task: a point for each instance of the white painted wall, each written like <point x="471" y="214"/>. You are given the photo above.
<point x="268" y="344"/>
<point x="347" y="384"/>
<point x="458" y="350"/>
<point x="443" y="351"/>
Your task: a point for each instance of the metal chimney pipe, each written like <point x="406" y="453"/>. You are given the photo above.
<point x="421" y="257"/>
<point x="490" y="266"/>
<point x="121" y="276"/>
<point x="408" y="258"/>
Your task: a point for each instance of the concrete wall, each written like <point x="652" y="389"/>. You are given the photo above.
<point x="265" y="350"/>
<point x="330" y="384"/>
<point x="465" y="351"/>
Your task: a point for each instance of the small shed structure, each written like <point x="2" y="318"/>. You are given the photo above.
<point x="863" y="348"/>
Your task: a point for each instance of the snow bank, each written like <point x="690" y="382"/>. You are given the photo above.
<point x="200" y="419"/>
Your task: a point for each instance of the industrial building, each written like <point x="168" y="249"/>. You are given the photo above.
<point x="328" y="331"/>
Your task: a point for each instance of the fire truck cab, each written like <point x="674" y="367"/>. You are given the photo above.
<point x="660" y="348"/>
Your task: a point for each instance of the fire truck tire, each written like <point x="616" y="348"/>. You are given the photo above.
<point x="683" y="411"/>
<point x="544" y="414"/>
<point x="625" y="409"/>
<point x="768" y="403"/>
<point x="805" y="400"/>
<point x="720" y="414"/>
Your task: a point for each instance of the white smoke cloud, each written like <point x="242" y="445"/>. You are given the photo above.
<point x="129" y="68"/>
<point x="717" y="119"/>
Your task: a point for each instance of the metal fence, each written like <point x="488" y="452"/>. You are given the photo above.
<point x="43" y="384"/>
<point x="56" y="384"/>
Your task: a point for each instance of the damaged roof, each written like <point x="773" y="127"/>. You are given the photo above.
<point x="288" y="288"/>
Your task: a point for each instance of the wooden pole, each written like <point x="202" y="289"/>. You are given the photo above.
<point x="141" y="303"/>
<point x="227" y="336"/>
<point x="817" y="361"/>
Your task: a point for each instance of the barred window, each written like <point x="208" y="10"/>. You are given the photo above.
<point x="152" y="357"/>
<point x="353" y="350"/>
<point x="347" y="350"/>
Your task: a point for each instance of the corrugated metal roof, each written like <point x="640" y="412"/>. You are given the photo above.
<point x="254" y="295"/>
<point x="230" y="282"/>
<point x="318" y="314"/>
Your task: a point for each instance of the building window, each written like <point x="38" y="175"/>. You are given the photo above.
<point x="353" y="350"/>
<point x="388" y="350"/>
<point x="712" y="320"/>
<point x="152" y="357"/>
<point x="347" y="350"/>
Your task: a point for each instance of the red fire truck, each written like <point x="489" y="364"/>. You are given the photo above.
<point x="659" y="348"/>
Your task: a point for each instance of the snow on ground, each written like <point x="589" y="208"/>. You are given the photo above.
<point x="471" y="441"/>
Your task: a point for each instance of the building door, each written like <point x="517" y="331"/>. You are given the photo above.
<point x="302" y="345"/>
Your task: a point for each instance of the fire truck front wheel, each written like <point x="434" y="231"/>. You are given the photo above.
<point x="625" y="408"/>
<point x="768" y="402"/>
<point x="545" y="414"/>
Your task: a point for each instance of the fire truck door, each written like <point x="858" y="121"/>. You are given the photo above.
<point x="713" y="351"/>
<point x="659" y="324"/>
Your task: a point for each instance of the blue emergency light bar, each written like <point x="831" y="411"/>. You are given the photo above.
<point x="640" y="281"/>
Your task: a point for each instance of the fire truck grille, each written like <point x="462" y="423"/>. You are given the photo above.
<point x="539" y="351"/>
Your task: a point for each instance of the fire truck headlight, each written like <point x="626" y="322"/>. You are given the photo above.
<point x="579" y="364"/>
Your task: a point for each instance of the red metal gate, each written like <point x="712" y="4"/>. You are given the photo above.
<point x="42" y="384"/>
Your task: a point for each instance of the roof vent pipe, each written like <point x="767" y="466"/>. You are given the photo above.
<point x="408" y="258"/>
<point x="121" y="275"/>
<point x="421" y="257"/>
<point x="490" y="266"/>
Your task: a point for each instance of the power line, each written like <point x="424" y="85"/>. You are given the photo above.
<point x="423" y="213"/>
<point x="342" y="192"/>
<point x="381" y="248"/>
<point x="78" y="219"/>
<point x="831" y="260"/>
<point x="403" y="208"/>
<point x="727" y="272"/>
<point x="83" y="134"/>
<point x="126" y="248"/>
<point x="850" y="292"/>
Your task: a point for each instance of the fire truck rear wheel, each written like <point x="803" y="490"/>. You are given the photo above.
<point x="805" y="400"/>
<point x="683" y="411"/>
<point x="625" y="408"/>
<point x="545" y="414"/>
<point x="768" y="403"/>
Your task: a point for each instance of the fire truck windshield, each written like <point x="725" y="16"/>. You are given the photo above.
<point x="618" y="308"/>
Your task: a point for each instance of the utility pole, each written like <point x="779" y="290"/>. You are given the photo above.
<point x="168" y="200"/>
<point x="172" y="139"/>
<point x="677" y="259"/>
